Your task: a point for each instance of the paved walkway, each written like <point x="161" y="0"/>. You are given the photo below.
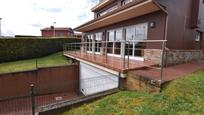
<point x="23" y="106"/>
<point x="172" y="73"/>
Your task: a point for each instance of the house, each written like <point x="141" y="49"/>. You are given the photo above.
<point x="78" y="34"/>
<point x="57" y="32"/>
<point x="127" y="35"/>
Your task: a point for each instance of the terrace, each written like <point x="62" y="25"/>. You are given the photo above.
<point x="121" y="56"/>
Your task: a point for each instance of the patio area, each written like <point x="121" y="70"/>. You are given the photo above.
<point x="172" y="72"/>
<point x="119" y="64"/>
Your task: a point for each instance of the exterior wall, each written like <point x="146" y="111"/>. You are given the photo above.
<point x="156" y="33"/>
<point x="179" y="26"/>
<point x="58" y="33"/>
<point x="46" y="80"/>
<point x="201" y="20"/>
<point x="201" y="15"/>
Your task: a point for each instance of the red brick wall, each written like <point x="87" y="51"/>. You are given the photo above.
<point x="58" y="33"/>
<point x="46" y="80"/>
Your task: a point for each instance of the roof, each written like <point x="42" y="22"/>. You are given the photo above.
<point x="102" y="4"/>
<point x="121" y="14"/>
<point x="58" y="28"/>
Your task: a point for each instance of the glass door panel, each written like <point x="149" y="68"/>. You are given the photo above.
<point x="140" y="34"/>
<point x="130" y="36"/>
<point x="89" y="44"/>
<point x="98" y="42"/>
<point x="110" y="44"/>
<point x="118" y="40"/>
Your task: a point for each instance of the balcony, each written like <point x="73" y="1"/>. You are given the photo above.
<point x="122" y="59"/>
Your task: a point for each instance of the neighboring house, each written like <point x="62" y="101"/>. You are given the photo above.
<point x="78" y="35"/>
<point x="132" y="34"/>
<point x="57" y="32"/>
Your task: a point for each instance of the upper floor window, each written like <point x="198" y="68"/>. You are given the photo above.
<point x="124" y="2"/>
<point x="108" y="10"/>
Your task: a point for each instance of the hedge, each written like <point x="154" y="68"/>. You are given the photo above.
<point x="20" y="49"/>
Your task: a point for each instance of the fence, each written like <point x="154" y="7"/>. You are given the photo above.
<point x="31" y="104"/>
<point x="121" y="55"/>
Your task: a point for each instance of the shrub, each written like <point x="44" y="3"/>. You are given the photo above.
<point x="24" y="48"/>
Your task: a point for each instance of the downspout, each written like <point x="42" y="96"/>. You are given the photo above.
<point x="165" y="38"/>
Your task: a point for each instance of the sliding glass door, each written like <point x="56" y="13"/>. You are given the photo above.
<point x="133" y="34"/>
<point x="98" y="43"/>
<point x="89" y="43"/>
<point x="114" y="42"/>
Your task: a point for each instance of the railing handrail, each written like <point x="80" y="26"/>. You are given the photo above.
<point x="125" y="44"/>
<point x="124" y="41"/>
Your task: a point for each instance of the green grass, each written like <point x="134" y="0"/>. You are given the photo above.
<point x="184" y="96"/>
<point x="53" y="60"/>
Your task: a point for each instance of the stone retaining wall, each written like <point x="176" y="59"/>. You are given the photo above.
<point x="174" y="57"/>
<point x="139" y="83"/>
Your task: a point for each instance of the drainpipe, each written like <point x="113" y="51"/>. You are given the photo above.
<point x="163" y="49"/>
<point x="164" y="42"/>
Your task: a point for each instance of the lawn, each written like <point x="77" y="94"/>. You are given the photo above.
<point x="53" y="60"/>
<point x="184" y="96"/>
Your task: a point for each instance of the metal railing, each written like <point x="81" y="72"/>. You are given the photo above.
<point x="125" y="51"/>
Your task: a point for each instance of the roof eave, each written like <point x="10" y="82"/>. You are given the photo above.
<point x="143" y="8"/>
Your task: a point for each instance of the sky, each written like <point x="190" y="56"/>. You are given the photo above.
<point x="27" y="17"/>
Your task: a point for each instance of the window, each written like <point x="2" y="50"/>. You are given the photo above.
<point x="141" y="32"/>
<point x="130" y="33"/>
<point x="111" y="36"/>
<point x="98" y="42"/>
<point x="124" y="2"/>
<point x="108" y="10"/>
<point x="119" y="33"/>
<point x="118" y="39"/>
<point x="60" y="34"/>
<point x="111" y="39"/>
<point x="134" y="33"/>
<point x="89" y="42"/>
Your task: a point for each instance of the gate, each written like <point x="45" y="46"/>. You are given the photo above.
<point x="94" y="80"/>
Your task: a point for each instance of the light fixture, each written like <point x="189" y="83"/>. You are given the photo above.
<point x="152" y="24"/>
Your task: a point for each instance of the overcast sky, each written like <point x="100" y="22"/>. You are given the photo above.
<point x="27" y="17"/>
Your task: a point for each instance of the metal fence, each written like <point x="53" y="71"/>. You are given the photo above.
<point x="31" y="105"/>
<point x="126" y="52"/>
<point x="98" y="84"/>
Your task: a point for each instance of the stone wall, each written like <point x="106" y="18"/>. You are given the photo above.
<point x="174" y="57"/>
<point x="139" y="83"/>
<point x="152" y="55"/>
